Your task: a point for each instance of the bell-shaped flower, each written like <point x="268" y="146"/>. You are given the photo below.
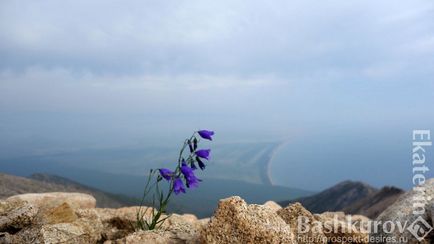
<point x="191" y="179"/>
<point x="203" y="153"/>
<point x="178" y="186"/>
<point x="166" y="173"/>
<point x="206" y="134"/>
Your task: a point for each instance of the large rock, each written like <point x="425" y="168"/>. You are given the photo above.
<point x="341" y="229"/>
<point x="204" y="222"/>
<point x="272" y="205"/>
<point x="60" y="214"/>
<point x="177" y="229"/>
<point x="150" y="237"/>
<point x="128" y="213"/>
<point x="77" y="232"/>
<point x="236" y="222"/>
<point x="87" y="228"/>
<point x="54" y="199"/>
<point x="120" y="222"/>
<point x="16" y="214"/>
<point x="27" y="235"/>
<point x="298" y="218"/>
<point x="402" y="211"/>
<point x="359" y="221"/>
<point x="188" y="219"/>
<point x="331" y="215"/>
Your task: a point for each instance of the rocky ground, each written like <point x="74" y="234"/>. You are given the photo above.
<point x="73" y="218"/>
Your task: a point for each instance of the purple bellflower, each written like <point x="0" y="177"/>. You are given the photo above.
<point x="166" y="173"/>
<point x="203" y="153"/>
<point x="181" y="178"/>
<point x="192" y="165"/>
<point x="191" y="179"/>
<point x="206" y="134"/>
<point x="178" y="186"/>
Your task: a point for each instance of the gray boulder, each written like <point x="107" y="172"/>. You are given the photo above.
<point x="15" y="215"/>
<point x="416" y="226"/>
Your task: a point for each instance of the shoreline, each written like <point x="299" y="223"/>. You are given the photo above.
<point x="271" y="158"/>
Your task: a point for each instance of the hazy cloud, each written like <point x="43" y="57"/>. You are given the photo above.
<point x="273" y="65"/>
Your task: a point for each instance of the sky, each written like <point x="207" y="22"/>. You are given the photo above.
<point x="78" y="74"/>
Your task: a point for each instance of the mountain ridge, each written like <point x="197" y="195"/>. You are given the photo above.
<point x="351" y="197"/>
<point x="375" y="204"/>
<point x="200" y="201"/>
<point x="336" y="197"/>
<point x="41" y="183"/>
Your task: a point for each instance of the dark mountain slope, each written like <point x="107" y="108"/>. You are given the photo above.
<point x="200" y="201"/>
<point x="335" y="198"/>
<point x="12" y="185"/>
<point x="373" y="205"/>
<point x="351" y="198"/>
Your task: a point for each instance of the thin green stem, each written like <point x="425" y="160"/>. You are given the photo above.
<point x="163" y="200"/>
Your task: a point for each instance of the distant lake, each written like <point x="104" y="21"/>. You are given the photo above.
<point x="311" y="161"/>
<point x="319" y="160"/>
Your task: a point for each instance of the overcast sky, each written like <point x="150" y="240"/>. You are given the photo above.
<point x="94" y="72"/>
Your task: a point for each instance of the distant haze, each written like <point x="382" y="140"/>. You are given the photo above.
<point x="107" y="74"/>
